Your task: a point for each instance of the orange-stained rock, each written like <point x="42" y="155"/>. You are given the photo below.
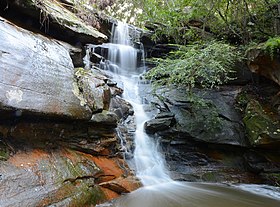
<point x="28" y="159"/>
<point x="110" y="167"/>
<point x="109" y="193"/>
<point x="122" y="185"/>
<point x="42" y="176"/>
<point x="130" y="183"/>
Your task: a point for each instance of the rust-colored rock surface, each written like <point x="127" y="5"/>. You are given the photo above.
<point x="45" y="170"/>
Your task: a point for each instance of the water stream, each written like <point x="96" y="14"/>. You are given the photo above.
<point x="159" y="189"/>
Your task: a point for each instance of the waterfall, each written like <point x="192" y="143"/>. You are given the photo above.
<point x="149" y="163"/>
<point x="159" y="189"/>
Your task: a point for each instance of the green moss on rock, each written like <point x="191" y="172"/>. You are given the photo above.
<point x="4" y="151"/>
<point x="261" y="127"/>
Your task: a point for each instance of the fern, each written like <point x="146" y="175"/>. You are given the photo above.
<point x="272" y="46"/>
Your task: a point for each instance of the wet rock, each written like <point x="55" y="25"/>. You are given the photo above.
<point x="44" y="167"/>
<point x="218" y="121"/>
<point x="262" y="125"/>
<point x="41" y="178"/>
<point x="258" y="163"/>
<point x="106" y="117"/>
<point x="53" y="19"/>
<point x="164" y="115"/>
<point x="192" y="161"/>
<point x="121" y="107"/>
<point x="37" y="75"/>
<point x="159" y="124"/>
<point x="93" y="90"/>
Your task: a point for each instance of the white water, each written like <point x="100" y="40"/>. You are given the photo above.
<point x="149" y="163"/>
<point x="159" y="189"/>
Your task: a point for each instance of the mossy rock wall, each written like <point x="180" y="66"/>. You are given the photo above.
<point x="262" y="125"/>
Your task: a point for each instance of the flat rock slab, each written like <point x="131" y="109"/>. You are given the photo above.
<point x="36" y="75"/>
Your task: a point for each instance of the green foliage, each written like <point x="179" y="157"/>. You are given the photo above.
<point x="206" y="65"/>
<point x="272" y="46"/>
<point x="236" y="20"/>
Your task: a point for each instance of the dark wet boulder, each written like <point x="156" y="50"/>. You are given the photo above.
<point x="162" y="121"/>
<point x="216" y="121"/>
<point x="121" y="107"/>
<point x="106" y="117"/>
<point x="261" y="162"/>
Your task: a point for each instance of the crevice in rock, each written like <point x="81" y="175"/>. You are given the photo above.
<point x="72" y="180"/>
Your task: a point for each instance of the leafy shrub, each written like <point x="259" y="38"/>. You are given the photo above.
<point x="272" y="46"/>
<point x="206" y="65"/>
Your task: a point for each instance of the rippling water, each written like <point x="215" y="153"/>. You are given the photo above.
<point x="182" y="194"/>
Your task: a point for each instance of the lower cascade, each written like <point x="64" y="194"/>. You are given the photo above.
<point x="149" y="164"/>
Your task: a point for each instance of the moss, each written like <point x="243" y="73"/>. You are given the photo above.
<point x="211" y="177"/>
<point x="4" y="151"/>
<point x="261" y="127"/>
<point x="95" y="195"/>
<point x="81" y="72"/>
<point x="242" y="100"/>
<point x="86" y="194"/>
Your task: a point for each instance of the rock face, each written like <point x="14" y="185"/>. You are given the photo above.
<point x="218" y="149"/>
<point x="53" y="18"/>
<point x="57" y="171"/>
<point x="58" y="140"/>
<point x="203" y="123"/>
<point x="37" y="75"/>
<point x="263" y="126"/>
<point x="263" y="64"/>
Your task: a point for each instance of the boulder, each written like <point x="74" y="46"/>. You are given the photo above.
<point x="37" y="75"/>
<point x="162" y="121"/>
<point x="216" y="120"/>
<point x="93" y="90"/>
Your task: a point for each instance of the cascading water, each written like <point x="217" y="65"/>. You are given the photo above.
<point x="149" y="164"/>
<point x="159" y="189"/>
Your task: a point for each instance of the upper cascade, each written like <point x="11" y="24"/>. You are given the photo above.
<point x="123" y="65"/>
